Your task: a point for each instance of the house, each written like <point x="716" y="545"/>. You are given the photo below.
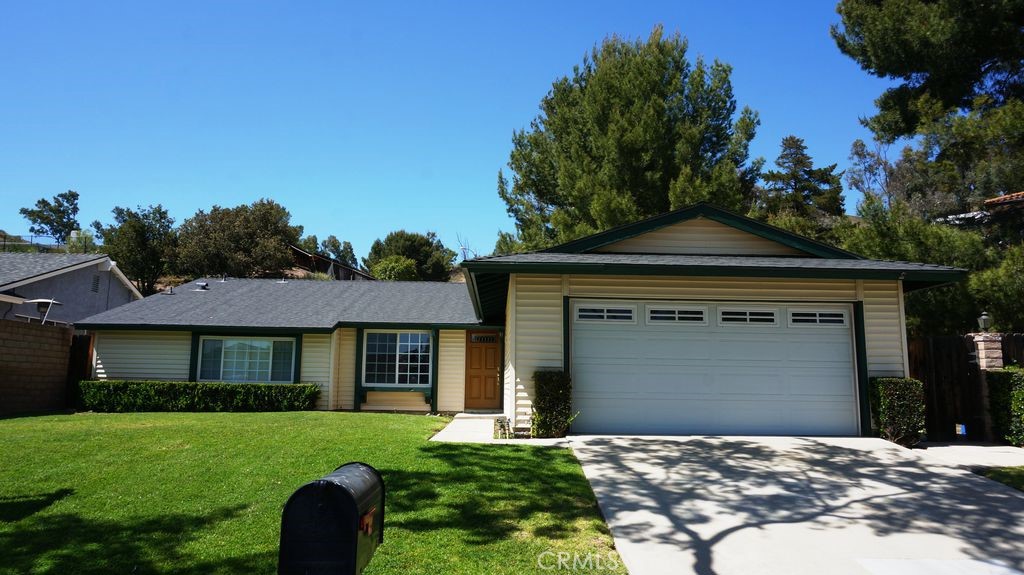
<point x="63" y="288"/>
<point x="695" y="321"/>
<point x="318" y="263"/>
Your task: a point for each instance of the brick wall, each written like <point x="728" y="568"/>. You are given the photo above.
<point x="33" y="366"/>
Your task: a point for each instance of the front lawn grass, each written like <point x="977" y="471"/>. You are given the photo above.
<point x="1012" y="476"/>
<point x="202" y="493"/>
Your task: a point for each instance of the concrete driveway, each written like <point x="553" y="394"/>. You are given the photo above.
<point x="787" y="506"/>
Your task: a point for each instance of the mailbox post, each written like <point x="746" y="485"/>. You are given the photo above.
<point x="333" y="525"/>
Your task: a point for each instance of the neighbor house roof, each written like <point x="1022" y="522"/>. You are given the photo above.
<point x="1005" y="200"/>
<point x="295" y="305"/>
<point x="21" y="268"/>
<point x="18" y="269"/>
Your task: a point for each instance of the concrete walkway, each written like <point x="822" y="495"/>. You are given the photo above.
<point x="973" y="455"/>
<point x="479" y="428"/>
<point x="792" y="506"/>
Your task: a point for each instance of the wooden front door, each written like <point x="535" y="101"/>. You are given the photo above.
<point x="483" y="370"/>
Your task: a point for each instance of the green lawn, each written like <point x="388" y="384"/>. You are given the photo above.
<point x="202" y="493"/>
<point x="1012" y="476"/>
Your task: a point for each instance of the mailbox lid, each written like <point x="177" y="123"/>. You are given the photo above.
<point x="363" y="483"/>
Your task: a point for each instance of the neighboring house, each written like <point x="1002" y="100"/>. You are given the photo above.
<point x="696" y="321"/>
<point x="312" y="262"/>
<point x="83" y="284"/>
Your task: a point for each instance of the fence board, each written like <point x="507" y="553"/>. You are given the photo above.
<point x="952" y="384"/>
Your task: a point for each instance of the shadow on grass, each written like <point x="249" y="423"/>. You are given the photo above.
<point x="490" y="492"/>
<point x="68" y="543"/>
<point x="19" y="507"/>
<point x="711" y="489"/>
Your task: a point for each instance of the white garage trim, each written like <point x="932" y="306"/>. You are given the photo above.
<point x="754" y="370"/>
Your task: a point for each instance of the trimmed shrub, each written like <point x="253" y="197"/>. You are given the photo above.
<point x="1006" y="404"/>
<point x="126" y="396"/>
<point x="552" y="404"/>
<point x="897" y="409"/>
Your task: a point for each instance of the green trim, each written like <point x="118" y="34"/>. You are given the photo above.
<point x="471" y="286"/>
<point x="862" y="369"/>
<point x="566" y="342"/>
<point x="717" y="214"/>
<point x="193" y="358"/>
<point x="586" y="268"/>
<point x="358" y="403"/>
<point x="297" y="368"/>
<point x="435" y="343"/>
<point x="417" y="326"/>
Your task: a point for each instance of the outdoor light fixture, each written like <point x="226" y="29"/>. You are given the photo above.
<point x="984" y="321"/>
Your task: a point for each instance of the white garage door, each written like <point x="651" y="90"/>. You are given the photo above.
<point x="650" y="367"/>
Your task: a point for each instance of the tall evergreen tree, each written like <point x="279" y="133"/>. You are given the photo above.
<point x="800" y="189"/>
<point x="434" y="262"/>
<point x="635" y="131"/>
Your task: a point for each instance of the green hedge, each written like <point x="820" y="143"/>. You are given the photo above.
<point x="1006" y="404"/>
<point x="897" y="409"/>
<point x="552" y="404"/>
<point x="127" y="396"/>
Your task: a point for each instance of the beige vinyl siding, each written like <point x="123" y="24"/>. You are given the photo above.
<point x="316" y="365"/>
<point x="700" y="236"/>
<point x="395" y="401"/>
<point x="509" y="371"/>
<point x="142" y="355"/>
<point x="538" y="335"/>
<point x="344" y="368"/>
<point x="709" y="288"/>
<point x="451" y="370"/>
<point x="884" y="331"/>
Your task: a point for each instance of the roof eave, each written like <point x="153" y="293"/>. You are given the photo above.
<point x="943" y="276"/>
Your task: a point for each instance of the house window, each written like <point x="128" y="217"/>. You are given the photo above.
<point x="747" y="316"/>
<point x="807" y="317"/>
<point x="396" y="358"/>
<point x="247" y="359"/>
<point x="590" y="312"/>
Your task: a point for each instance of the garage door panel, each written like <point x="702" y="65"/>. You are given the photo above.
<point x="707" y="378"/>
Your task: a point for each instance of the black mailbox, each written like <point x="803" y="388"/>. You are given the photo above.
<point x="333" y="525"/>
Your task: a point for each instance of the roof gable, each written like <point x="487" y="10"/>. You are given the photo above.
<point x="720" y="233"/>
<point x="700" y="236"/>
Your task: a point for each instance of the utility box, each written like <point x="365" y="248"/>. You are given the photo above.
<point x="332" y="526"/>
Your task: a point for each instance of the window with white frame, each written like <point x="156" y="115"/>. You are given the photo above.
<point x="247" y="359"/>
<point x="594" y="312"/>
<point x="813" y="317"/>
<point x="668" y="314"/>
<point x="746" y="316"/>
<point x="396" y="358"/>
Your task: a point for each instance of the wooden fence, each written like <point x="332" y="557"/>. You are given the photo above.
<point x="1013" y="349"/>
<point x="952" y="383"/>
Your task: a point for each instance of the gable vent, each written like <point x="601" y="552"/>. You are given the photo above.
<point x="95" y="283"/>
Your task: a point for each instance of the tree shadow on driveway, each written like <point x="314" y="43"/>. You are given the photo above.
<point x="705" y="490"/>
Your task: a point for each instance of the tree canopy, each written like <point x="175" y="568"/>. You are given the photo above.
<point x="244" y="241"/>
<point x="947" y="55"/>
<point x="893" y="232"/>
<point x="142" y="242"/>
<point x="798" y="196"/>
<point x="434" y="262"/>
<point x="56" y="219"/>
<point x="635" y="131"/>
<point x="339" y="250"/>
<point x="395" y="268"/>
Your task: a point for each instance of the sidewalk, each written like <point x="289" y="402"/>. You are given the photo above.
<point x="479" y="428"/>
<point x="972" y="455"/>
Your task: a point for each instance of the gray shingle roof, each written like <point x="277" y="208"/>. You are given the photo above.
<point x="16" y="267"/>
<point x="296" y="304"/>
<point x="750" y="262"/>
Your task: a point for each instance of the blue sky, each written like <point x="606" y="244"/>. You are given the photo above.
<point x="359" y="118"/>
